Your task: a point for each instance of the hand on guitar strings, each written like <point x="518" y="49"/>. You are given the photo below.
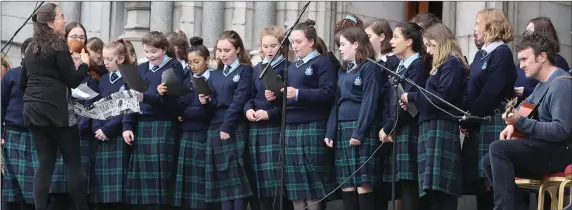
<point x="511" y="118"/>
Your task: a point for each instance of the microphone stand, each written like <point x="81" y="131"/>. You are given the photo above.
<point x="284" y="101"/>
<point x="397" y="79"/>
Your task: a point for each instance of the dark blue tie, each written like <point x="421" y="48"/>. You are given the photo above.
<point x="400" y="68"/>
<point x="484" y="53"/>
<point x="351" y="66"/>
<point x="154" y="68"/>
<point x="113" y="77"/>
<point x="227" y="70"/>
<point x="299" y="62"/>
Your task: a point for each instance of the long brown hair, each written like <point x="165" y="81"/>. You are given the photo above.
<point x="76" y="47"/>
<point x="380" y="27"/>
<point x="364" y="50"/>
<point x="45" y="41"/>
<point x="544" y="25"/>
<point x="236" y="41"/>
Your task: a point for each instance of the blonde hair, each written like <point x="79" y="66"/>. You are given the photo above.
<point x="6" y="61"/>
<point x="275" y="31"/>
<point x="495" y="25"/>
<point x="120" y="49"/>
<point x="446" y="45"/>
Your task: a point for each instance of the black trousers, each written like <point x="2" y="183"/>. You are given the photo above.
<point x="523" y="158"/>
<point x="48" y="140"/>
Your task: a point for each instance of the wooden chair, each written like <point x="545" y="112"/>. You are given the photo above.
<point x="555" y="184"/>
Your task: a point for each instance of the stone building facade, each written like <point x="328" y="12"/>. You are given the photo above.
<point x="131" y="20"/>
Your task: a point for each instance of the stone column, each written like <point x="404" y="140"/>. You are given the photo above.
<point x="138" y="13"/>
<point x="161" y="16"/>
<point x="118" y="15"/>
<point x="187" y="16"/>
<point x="71" y="10"/>
<point x="264" y="16"/>
<point x="212" y="22"/>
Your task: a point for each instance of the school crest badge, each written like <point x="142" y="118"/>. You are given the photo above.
<point x="357" y="81"/>
<point x="236" y="78"/>
<point x="484" y="66"/>
<point x="309" y="71"/>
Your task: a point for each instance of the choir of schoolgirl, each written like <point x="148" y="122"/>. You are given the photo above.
<point x="193" y="151"/>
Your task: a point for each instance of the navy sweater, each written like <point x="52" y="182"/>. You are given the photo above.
<point x="315" y="80"/>
<point x="418" y="73"/>
<point x="84" y="123"/>
<point x="110" y="127"/>
<point x="257" y="99"/>
<point x="391" y="63"/>
<point x="153" y="105"/>
<point x="447" y="82"/>
<point x="530" y="83"/>
<point x="492" y="85"/>
<point x="359" y="92"/>
<point x="230" y="94"/>
<point x="12" y="102"/>
<point x="195" y="115"/>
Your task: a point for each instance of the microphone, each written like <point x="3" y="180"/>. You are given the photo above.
<point x="475" y="118"/>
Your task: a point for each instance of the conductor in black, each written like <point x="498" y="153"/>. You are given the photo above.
<point x="47" y="76"/>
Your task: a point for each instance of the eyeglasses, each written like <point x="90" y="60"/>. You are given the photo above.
<point x="76" y="37"/>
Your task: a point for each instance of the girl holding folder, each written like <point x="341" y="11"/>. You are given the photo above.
<point x="153" y="133"/>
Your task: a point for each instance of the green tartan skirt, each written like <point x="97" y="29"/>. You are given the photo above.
<point x="20" y="162"/>
<point x="264" y="149"/>
<point x="309" y="170"/>
<point x="190" y="177"/>
<point x="406" y="146"/>
<point x="350" y="158"/>
<point x="109" y="171"/>
<point x="152" y="164"/>
<point x="226" y="178"/>
<point x="439" y="157"/>
<point x="488" y="132"/>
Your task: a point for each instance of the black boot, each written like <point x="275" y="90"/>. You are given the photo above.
<point x="367" y="201"/>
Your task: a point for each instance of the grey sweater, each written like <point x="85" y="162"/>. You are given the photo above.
<point x="554" y="122"/>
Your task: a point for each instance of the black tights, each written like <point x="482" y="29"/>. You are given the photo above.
<point x="48" y="140"/>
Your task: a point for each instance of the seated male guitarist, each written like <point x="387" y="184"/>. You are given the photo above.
<point x="547" y="144"/>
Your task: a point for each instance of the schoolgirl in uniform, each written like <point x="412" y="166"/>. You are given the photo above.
<point x="193" y="124"/>
<point x="18" y="151"/>
<point x="111" y="153"/>
<point x="95" y="49"/>
<point x="310" y="94"/>
<point x="349" y="21"/>
<point x="439" y="144"/>
<point x="265" y="117"/>
<point x="153" y="133"/>
<point x="407" y="42"/>
<point x="357" y="118"/>
<point x="226" y="177"/>
<point x="491" y="83"/>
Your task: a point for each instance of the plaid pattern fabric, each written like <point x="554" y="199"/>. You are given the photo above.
<point x="488" y="132"/>
<point x="151" y="164"/>
<point x="264" y="150"/>
<point x="190" y="176"/>
<point x="350" y="158"/>
<point x="109" y="171"/>
<point x="406" y="167"/>
<point x="439" y="157"/>
<point x="59" y="177"/>
<point x="86" y="145"/>
<point x="226" y="177"/>
<point x="20" y="162"/>
<point x="308" y="169"/>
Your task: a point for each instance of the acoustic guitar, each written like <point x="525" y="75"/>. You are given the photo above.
<point x="525" y="110"/>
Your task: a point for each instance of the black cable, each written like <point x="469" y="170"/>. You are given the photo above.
<point x="17" y="31"/>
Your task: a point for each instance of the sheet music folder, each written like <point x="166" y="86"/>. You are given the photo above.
<point x="201" y="86"/>
<point x="411" y="108"/>
<point x="271" y="79"/>
<point x="175" y="86"/>
<point x="132" y="77"/>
